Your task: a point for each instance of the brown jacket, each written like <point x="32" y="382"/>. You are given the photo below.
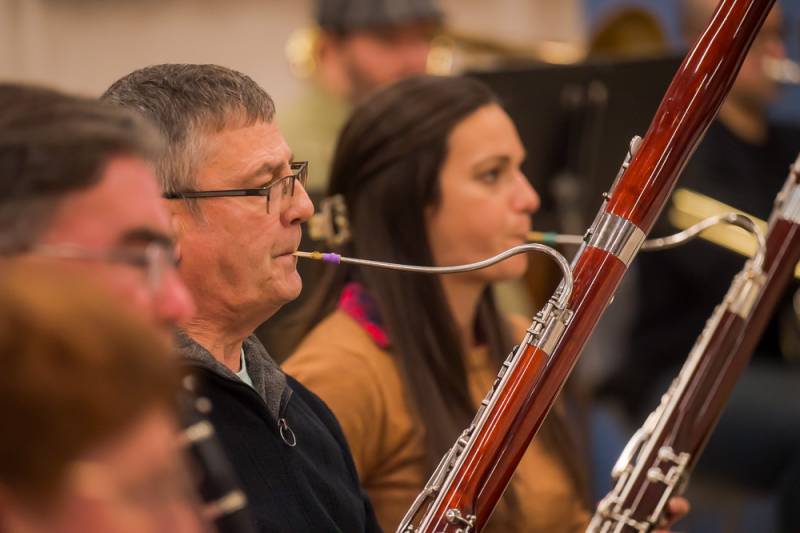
<point x="362" y="385"/>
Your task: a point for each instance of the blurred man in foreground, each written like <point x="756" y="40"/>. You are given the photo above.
<point x="359" y="47"/>
<point x="90" y="438"/>
<point x="77" y="188"/>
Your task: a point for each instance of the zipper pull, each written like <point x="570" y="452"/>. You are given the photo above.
<point x="286" y="433"/>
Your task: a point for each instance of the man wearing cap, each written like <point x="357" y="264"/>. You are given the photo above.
<point x="361" y="46"/>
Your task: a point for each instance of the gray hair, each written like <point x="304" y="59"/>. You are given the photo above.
<point x="53" y="144"/>
<point x="186" y="101"/>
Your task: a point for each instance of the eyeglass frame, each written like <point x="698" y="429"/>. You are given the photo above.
<point x="152" y="259"/>
<point x="299" y="172"/>
<point x="93" y="480"/>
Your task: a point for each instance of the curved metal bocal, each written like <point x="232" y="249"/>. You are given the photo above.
<point x="563" y="264"/>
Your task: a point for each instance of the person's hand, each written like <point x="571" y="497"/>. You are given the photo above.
<point x="677" y="508"/>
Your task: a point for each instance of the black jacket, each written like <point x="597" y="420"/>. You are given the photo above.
<point x="285" y="445"/>
<point x="680" y="287"/>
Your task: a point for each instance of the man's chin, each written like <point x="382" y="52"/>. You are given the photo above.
<point x="291" y="288"/>
<point x="276" y="291"/>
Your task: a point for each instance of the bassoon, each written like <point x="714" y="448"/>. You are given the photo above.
<point x="470" y="479"/>
<point x="658" y="459"/>
<point x="224" y="503"/>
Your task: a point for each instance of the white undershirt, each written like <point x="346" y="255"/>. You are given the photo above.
<point x="242" y="374"/>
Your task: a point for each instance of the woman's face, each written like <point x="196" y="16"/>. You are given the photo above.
<point x="486" y="201"/>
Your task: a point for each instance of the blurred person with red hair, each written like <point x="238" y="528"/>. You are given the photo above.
<point x="90" y="438"/>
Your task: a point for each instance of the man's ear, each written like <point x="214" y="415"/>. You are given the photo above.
<point x="325" y="46"/>
<point x="177" y="225"/>
<point x="331" y="69"/>
<point x="178" y="229"/>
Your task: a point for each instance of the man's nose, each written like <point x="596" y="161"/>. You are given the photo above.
<point x="173" y="301"/>
<point x="298" y="208"/>
<point x="413" y="57"/>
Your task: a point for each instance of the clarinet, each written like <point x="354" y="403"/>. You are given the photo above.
<point x="224" y="502"/>
<point x="466" y="485"/>
<point x="657" y="461"/>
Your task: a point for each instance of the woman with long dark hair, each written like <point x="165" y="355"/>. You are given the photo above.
<point x="430" y="173"/>
<point x="429" y="170"/>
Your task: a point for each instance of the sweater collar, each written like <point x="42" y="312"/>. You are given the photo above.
<point x="268" y="379"/>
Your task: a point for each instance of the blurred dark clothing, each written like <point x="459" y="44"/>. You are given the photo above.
<point x="756" y="444"/>
<point x="679" y="288"/>
<point x="286" y="446"/>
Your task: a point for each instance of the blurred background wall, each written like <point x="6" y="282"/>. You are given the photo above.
<point x="84" y="45"/>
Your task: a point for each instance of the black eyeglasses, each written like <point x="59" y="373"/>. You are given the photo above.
<point x="299" y="173"/>
<point x="154" y="260"/>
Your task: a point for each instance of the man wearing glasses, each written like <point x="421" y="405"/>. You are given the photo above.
<point x="76" y="186"/>
<point x="237" y="199"/>
<point x="97" y="425"/>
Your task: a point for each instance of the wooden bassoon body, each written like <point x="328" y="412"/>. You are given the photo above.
<point x="657" y="461"/>
<point x="465" y="487"/>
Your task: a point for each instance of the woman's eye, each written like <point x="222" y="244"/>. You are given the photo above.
<point x="491" y="176"/>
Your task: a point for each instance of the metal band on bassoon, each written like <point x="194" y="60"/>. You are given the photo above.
<point x="616" y="235"/>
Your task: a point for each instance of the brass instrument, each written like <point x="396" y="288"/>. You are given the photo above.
<point x="452" y="51"/>
<point x="689" y="211"/>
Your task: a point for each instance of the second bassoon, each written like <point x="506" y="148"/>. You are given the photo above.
<point x="656" y="463"/>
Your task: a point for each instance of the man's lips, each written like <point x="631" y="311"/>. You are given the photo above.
<point x="287" y="251"/>
<point x="289" y="256"/>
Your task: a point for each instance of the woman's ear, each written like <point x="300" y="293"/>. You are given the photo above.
<point x="332" y="64"/>
<point x="429" y="212"/>
<point x="12" y="515"/>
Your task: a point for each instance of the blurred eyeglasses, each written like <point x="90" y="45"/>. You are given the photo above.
<point x="165" y="496"/>
<point x="154" y="260"/>
<point x="284" y="187"/>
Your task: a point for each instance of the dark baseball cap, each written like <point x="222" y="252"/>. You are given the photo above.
<point x="348" y="15"/>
